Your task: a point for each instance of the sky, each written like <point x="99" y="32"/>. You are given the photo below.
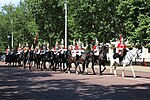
<point x="3" y="2"/>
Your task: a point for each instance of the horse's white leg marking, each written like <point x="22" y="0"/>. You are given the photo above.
<point x="111" y="66"/>
<point x="134" y="76"/>
<point x="86" y="70"/>
<point x="33" y="63"/>
<point x="123" y="68"/>
<point x="115" y="72"/>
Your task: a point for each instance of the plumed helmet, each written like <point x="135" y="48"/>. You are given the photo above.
<point x="47" y="44"/>
<point x="39" y="44"/>
<point x="19" y="45"/>
<point x="79" y="42"/>
<point x="44" y="43"/>
<point x="27" y="45"/>
<point x="32" y="48"/>
<point x="56" y="42"/>
<point x="121" y="39"/>
<point x="62" y="41"/>
<point x="74" y="42"/>
<point x="96" y="42"/>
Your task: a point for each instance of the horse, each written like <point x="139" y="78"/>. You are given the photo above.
<point x="8" y="58"/>
<point x="99" y="59"/>
<point x="69" y="59"/>
<point x="31" y="58"/>
<point x="12" y="58"/>
<point x="20" y="57"/>
<point x="85" y="59"/>
<point x="127" y="61"/>
<point x="102" y="58"/>
<point x="25" y="58"/>
<point x="47" y="57"/>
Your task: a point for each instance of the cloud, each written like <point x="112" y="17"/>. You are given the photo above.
<point x="3" y="2"/>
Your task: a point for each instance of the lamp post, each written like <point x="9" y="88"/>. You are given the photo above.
<point x="9" y="39"/>
<point x="66" y="45"/>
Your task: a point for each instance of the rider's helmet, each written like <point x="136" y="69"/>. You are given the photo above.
<point x="96" y="42"/>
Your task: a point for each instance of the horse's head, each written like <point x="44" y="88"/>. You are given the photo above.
<point x="136" y="52"/>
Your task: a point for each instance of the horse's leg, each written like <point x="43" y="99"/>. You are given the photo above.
<point x="61" y="66"/>
<point x="123" y="68"/>
<point x="100" y="71"/>
<point x="29" y="65"/>
<point x="115" y="72"/>
<point x="80" y="66"/>
<point x="24" y="64"/>
<point x="104" y="68"/>
<point x="93" y="68"/>
<point x="76" y="65"/>
<point x="68" y="66"/>
<point x="86" y="70"/>
<point x="83" y="67"/>
<point x="134" y="76"/>
<point x="43" y="65"/>
<point x="111" y="66"/>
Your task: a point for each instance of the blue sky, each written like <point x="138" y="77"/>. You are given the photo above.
<point x="3" y="2"/>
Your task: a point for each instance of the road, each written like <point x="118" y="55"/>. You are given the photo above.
<point x="17" y="83"/>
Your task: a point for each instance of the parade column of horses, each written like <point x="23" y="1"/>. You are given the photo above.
<point x="59" y="58"/>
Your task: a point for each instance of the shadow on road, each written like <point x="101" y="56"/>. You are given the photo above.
<point x="18" y="84"/>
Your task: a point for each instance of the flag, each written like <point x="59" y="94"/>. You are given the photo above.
<point x="35" y="38"/>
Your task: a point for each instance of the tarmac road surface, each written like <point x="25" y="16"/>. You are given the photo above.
<point x="17" y="83"/>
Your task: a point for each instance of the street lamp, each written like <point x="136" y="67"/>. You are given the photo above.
<point x="66" y="45"/>
<point x="9" y="39"/>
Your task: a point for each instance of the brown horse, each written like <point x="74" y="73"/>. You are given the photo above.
<point x="83" y="60"/>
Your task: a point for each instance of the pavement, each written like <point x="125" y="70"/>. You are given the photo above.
<point x="17" y="83"/>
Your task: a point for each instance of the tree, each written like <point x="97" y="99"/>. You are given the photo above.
<point x="135" y="15"/>
<point x="49" y="16"/>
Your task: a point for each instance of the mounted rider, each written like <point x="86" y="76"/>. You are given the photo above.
<point x="44" y="48"/>
<point x="26" y="48"/>
<point x="48" y="49"/>
<point x="96" y="48"/>
<point x="121" y="49"/>
<point x="37" y="49"/>
<point x="79" y="49"/>
<point x="19" y="50"/>
<point x="8" y="50"/>
<point x="62" y="48"/>
<point x="73" y="49"/>
<point x="56" y="48"/>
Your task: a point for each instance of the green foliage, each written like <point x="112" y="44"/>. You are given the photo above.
<point x="136" y="16"/>
<point x="87" y="20"/>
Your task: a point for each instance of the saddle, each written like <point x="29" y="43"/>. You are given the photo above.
<point x="116" y="55"/>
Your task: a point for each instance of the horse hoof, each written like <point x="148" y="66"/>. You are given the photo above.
<point x="115" y="75"/>
<point x="84" y="73"/>
<point x="77" y="72"/>
<point x="110" y="72"/>
<point x="68" y="72"/>
<point x="134" y="77"/>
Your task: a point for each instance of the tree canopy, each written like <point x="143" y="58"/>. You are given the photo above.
<point x="87" y="20"/>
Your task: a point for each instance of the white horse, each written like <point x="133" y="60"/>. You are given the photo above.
<point x="127" y="61"/>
